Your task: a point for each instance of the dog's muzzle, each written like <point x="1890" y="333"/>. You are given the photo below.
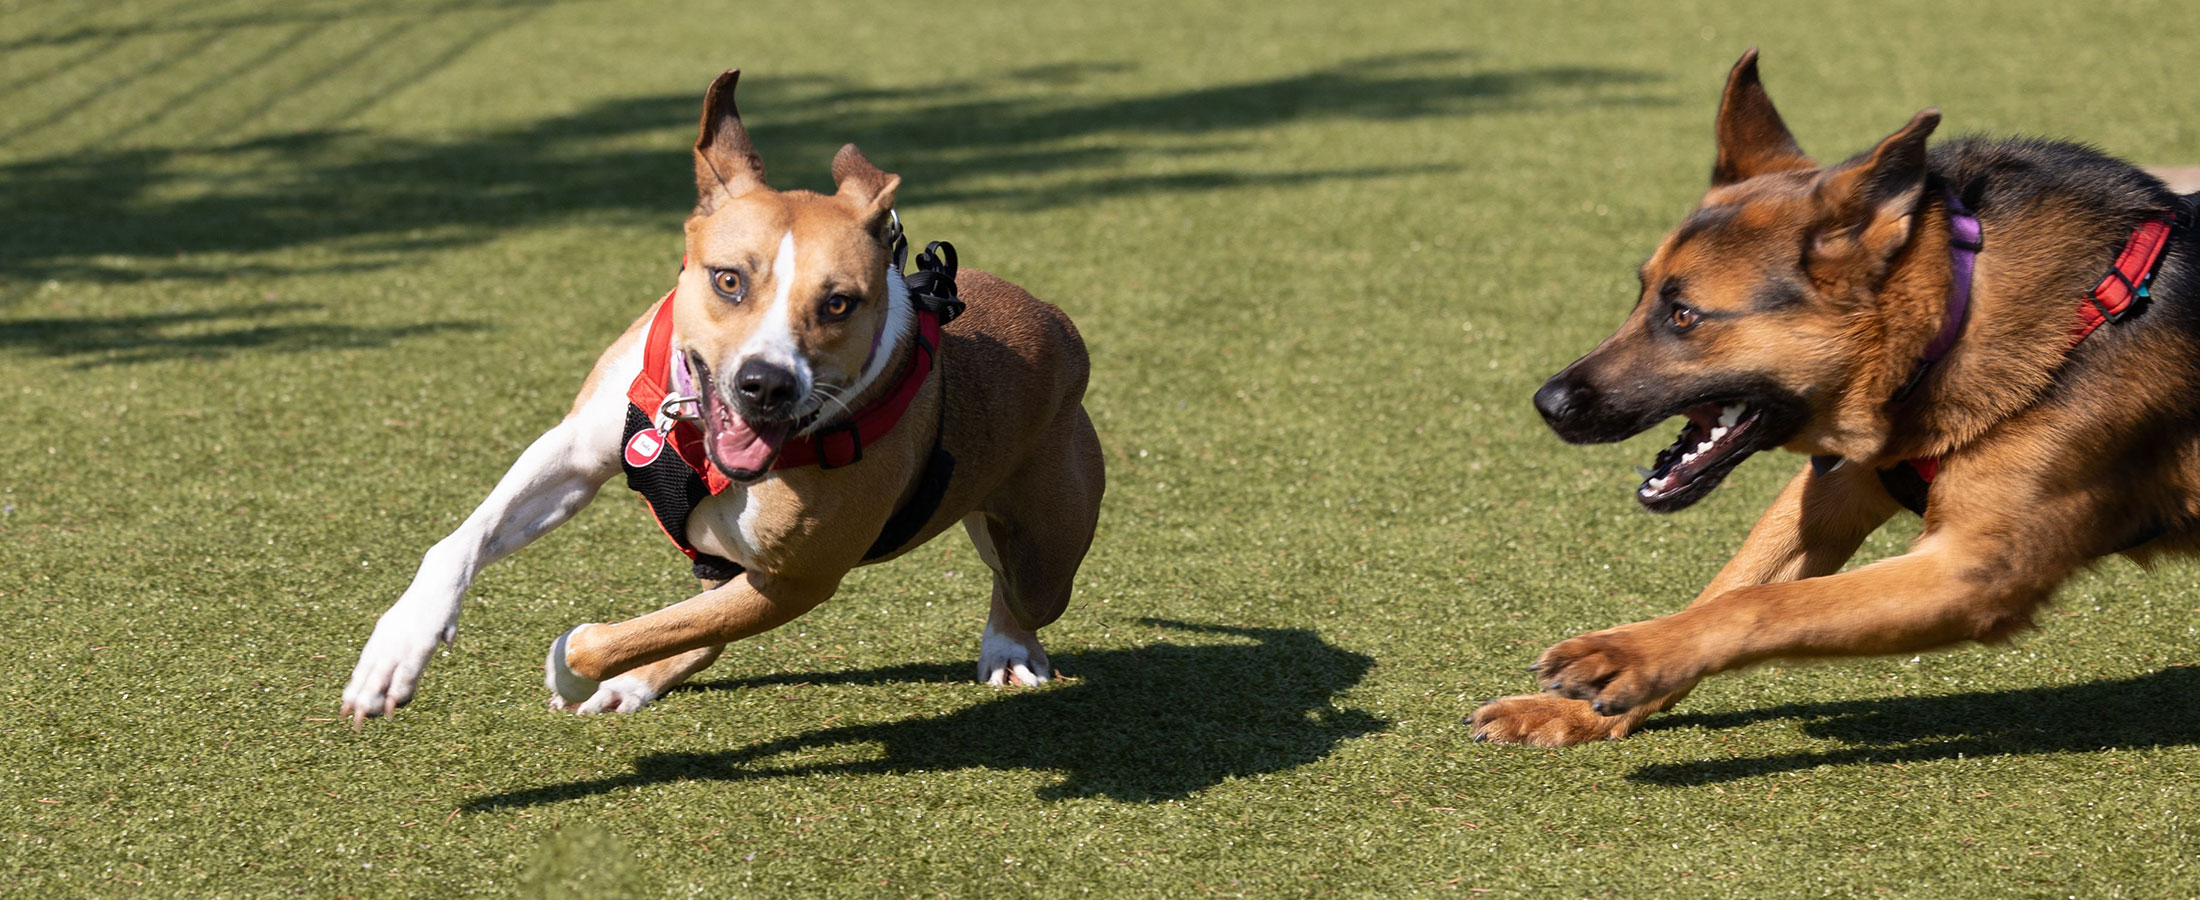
<point x="765" y="392"/>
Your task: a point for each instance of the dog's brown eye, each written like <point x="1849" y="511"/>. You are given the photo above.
<point x="839" y="306"/>
<point x="1683" y="318"/>
<point x="728" y="284"/>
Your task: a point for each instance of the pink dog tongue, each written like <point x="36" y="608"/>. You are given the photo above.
<point x="736" y="444"/>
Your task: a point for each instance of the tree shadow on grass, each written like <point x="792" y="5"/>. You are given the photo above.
<point x="198" y="334"/>
<point x="1144" y="725"/>
<point x="1030" y="139"/>
<point x="174" y="20"/>
<point x="2159" y="709"/>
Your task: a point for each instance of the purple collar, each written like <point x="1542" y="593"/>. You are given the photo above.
<point x="1965" y="239"/>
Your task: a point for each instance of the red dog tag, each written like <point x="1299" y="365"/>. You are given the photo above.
<point x="643" y="447"/>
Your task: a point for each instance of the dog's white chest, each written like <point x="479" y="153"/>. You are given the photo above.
<point x="757" y="525"/>
<point x="730" y="524"/>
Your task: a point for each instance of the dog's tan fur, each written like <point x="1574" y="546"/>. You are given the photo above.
<point x="2049" y="457"/>
<point x="1028" y="472"/>
<point x="1036" y="488"/>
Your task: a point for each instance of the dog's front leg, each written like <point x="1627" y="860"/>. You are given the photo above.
<point x="591" y="657"/>
<point x="640" y="686"/>
<point x="1975" y="575"/>
<point x="556" y="476"/>
<point x="1813" y="527"/>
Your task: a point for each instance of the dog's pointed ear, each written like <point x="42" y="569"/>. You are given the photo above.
<point x="726" y="164"/>
<point x="1872" y="200"/>
<point x="1752" y="138"/>
<point x="862" y="184"/>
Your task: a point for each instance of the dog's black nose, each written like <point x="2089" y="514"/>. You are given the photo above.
<point x="766" y="391"/>
<point x="1562" y="398"/>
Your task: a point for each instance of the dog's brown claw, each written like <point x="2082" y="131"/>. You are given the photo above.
<point x="1608" y="670"/>
<point x="1544" y="720"/>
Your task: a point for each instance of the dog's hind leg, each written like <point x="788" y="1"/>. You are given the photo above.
<point x="1009" y="653"/>
<point x="1033" y="533"/>
<point x="1814" y="526"/>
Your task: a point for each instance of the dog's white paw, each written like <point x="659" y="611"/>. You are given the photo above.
<point x="567" y="687"/>
<point x="1012" y="656"/>
<point x="389" y="666"/>
<point x="617" y="694"/>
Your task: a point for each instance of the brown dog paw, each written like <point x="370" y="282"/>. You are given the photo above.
<point x="1545" y="720"/>
<point x="1614" y="670"/>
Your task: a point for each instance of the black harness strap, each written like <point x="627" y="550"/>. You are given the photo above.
<point x="1906" y="485"/>
<point x="939" y="468"/>
<point x="931" y="287"/>
<point x="672" y="491"/>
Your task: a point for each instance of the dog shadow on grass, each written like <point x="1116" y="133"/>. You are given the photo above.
<point x="2158" y="709"/>
<point x="1148" y="724"/>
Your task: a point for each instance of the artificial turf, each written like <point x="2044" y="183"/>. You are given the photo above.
<point x="284" y="287"/>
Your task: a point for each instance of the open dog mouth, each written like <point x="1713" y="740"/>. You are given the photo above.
<point x="741" y="448"/>
<point x="1715" y="439"/>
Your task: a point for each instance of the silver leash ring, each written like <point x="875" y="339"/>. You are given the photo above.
<point x="670" y="408"/>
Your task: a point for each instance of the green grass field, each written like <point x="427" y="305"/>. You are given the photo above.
<point x="285" y="286"/>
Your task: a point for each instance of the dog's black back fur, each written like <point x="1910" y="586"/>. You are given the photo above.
<point x="2009" y="180"/>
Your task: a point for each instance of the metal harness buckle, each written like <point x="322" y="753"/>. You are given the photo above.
<point x="678" y="409"/>
<point x="897" y="245"/>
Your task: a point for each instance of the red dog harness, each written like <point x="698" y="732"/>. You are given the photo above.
<point x="830" y="447"/>
<point x="673" y="484"/>
<point x="2114" y="299"/>
<point x="2126" y="281"/>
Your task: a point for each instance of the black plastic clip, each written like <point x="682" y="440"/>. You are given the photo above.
<point x="933" y="285"/>
<point x="2137" y="291"/>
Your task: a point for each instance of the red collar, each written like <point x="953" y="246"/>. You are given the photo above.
<point x="838" y="445"/>
<point x="830" y="447"/>
<point x="2126" y="281"/>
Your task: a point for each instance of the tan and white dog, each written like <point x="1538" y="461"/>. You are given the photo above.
<point x="791" y="319"/>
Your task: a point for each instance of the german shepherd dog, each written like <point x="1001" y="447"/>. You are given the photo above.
<point x="1912" y="319"/>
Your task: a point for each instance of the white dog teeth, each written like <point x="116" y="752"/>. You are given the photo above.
<point x="1728" y="417"/>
